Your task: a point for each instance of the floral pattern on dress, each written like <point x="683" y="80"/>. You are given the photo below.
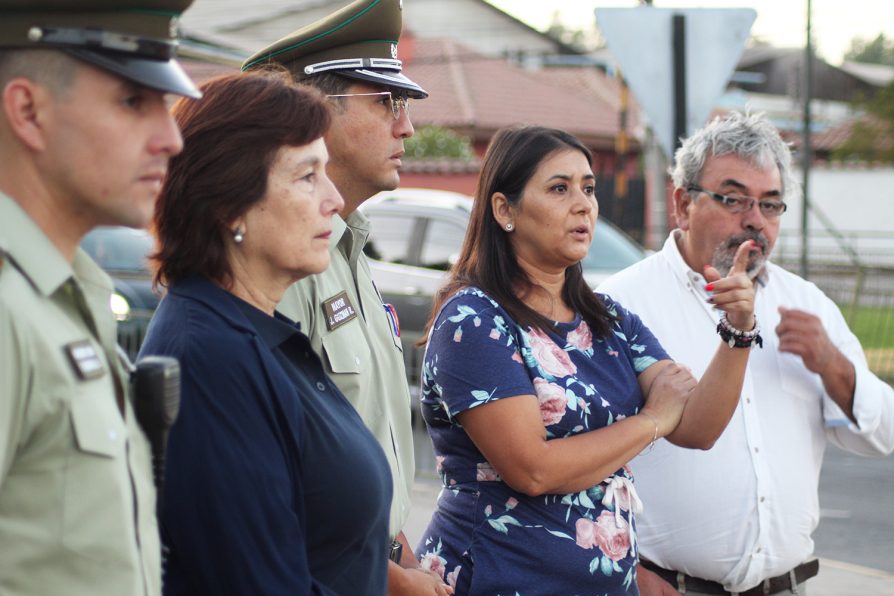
<point x="487" y="538"/>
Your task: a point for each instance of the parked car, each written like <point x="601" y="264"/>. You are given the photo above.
<point x="415" y="238"/>
<point x="123" y="254"/>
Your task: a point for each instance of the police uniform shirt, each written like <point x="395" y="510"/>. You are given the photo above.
<point x="343" y="315"/>
<point x="77" y="503"/>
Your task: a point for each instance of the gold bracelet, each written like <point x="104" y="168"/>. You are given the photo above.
<point x="655" y="436"/>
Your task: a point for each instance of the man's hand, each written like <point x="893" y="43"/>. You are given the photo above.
<point x="803" y="334"/>
<point x="734" y="293"/>
<point x="651" y="584"/>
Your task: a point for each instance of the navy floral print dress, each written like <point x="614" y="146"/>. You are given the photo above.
<point x="486" y="538"/>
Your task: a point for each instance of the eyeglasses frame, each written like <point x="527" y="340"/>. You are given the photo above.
<point x="402" y="101"/>
<point x="746" y="202"/>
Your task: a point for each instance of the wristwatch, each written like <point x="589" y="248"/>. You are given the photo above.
<point x="397" y="549"/>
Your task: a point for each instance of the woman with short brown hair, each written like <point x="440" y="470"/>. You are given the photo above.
<point x="273" y="484"/>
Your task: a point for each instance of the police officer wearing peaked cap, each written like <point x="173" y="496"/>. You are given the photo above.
<point x="133" y="39"/>
<point x="358" y="42"/>
<point x="351" y="56"/>
<point x="85" y="136"/>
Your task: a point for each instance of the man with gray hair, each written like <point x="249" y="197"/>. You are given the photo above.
<point x="739" y="517"/>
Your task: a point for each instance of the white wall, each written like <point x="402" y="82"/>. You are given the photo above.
<point x="859" y="201"/>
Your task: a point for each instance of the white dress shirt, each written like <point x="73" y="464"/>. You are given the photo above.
<point x="745" y="510"/>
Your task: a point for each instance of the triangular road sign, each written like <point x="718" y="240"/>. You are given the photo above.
<point x="641" y="40"/>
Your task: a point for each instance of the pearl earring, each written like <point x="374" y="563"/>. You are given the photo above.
<point x="509" y="227"/>
<point x="238" y="236"/>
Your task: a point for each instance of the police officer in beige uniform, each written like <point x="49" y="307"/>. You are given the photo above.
<point x="85" y="137"/>
<point x="351" y="56"/>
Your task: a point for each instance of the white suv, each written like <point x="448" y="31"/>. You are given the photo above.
<point x="415" y="237"/>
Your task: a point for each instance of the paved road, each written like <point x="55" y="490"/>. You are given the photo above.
<point x="857" y="510"/>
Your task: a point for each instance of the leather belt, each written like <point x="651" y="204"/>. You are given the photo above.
<point x="773" y="585"/>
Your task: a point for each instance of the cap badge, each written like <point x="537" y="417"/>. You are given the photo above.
<point x="174" y="28"/>
<point x="394" y="51"/>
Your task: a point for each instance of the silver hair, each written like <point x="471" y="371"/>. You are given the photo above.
<point x="749" y="136"/>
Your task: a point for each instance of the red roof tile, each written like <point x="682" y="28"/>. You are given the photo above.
<point x="477" y="95"/>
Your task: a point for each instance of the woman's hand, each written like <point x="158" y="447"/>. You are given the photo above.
<point x="651" y="584"/>
<point x="734" y="293"/>
<point x="667" y="395"/>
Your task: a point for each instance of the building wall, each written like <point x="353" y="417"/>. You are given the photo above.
<point x="860" y="204"/>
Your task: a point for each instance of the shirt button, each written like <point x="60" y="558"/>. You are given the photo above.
<point x="321" y="386"/>
<point x="763" y="499"/>
<point x="113" y="435"/>
<point x="758" y="550"/>
<point x="357" y="359"/>
<point x="747" y="400"/>
<point x="756" y="450"/>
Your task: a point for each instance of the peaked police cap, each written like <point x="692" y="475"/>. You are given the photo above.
<point x="134" y="39"/>
<point x="359" y="42"/>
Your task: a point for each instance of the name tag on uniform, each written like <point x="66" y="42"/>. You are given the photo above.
<point x="84" y="359"/>
<point x="338" y="310"/>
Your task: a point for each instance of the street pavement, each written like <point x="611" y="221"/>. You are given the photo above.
<point x="836" y="578"/>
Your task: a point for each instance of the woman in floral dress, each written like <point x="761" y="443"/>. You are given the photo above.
<point x="537" y="392"/>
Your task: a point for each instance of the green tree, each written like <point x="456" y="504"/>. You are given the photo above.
<point x="436" y="142"/>
<point x="872" y="137"/>
<point x="877" y="51"/>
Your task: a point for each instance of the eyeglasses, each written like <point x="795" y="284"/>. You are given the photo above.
<point x="738" y="204"/>
<point x="401" y="101"/>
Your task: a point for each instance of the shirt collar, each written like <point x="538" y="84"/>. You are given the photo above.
<point x="273" y="330"/>
<point x="236" y="311"/>
<point x="339" y="227"/>
<point x="37" y="257"/>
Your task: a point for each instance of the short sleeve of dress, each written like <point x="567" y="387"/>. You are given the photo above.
<point x="644" y="349"/>
<point x="473" y="355"/>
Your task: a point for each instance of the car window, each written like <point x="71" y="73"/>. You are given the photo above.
<point x="441" y="246"/>
<point x="119" y="249"/>
<point x="611" y="250"/>
<point x="389" y="237"/>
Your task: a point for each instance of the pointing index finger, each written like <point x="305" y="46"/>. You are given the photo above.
<point x="740" y="261"/>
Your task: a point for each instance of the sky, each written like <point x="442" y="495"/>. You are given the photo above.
<point x="781" y="22"/>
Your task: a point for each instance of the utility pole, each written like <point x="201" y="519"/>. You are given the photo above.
<point x="805" y="144"/>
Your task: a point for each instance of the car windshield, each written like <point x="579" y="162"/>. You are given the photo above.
<point x="611" y="250"/>
<point x="119" y="249"/>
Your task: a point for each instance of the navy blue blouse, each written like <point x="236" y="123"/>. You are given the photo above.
<point x="273" y="484"/>
<point x="487" y="538"/>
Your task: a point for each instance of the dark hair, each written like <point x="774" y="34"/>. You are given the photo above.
<point x="329" y="83"/>
<point x="49" y="67"/>
<point x="231" y="137"/>
<point x="487" y="259"/>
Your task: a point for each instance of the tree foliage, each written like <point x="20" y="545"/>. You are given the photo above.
<point x="872" y="137"/>
<point x="877" y="51"/>
<point x="435" y="142"/>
